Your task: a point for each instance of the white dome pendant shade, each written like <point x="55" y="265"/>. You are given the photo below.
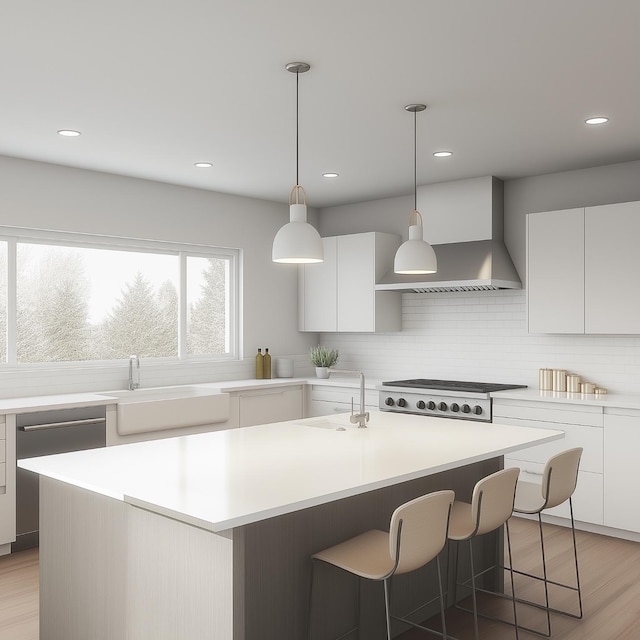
<point x="297" y="242"/>
<point x="415" y="256"/>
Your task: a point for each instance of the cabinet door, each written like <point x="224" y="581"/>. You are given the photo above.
<point x="317" y="306"/>
<point x="621" y="473"/>
<point x="272" y="405"/>
<point x="612" y="264"/>
<point x="7" y="482"/>
<point x="555" y="271"/>
<point x="356" y="269"/>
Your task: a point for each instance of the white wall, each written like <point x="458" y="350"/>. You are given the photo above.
<point x="483" y="336"/>
<point x="45" y="196"/>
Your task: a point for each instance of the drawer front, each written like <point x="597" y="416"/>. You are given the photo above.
<point x="3" y="430"/>
<point x="270" y="406"/>
<point x="589" y="438"/>
<point x="3" y="450"/>
<point x="556" y="414"/>
<point x="3" y="474"/>
<point x="588" y="498"/>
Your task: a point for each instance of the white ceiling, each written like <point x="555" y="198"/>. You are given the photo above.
<point x="156" y="85"/>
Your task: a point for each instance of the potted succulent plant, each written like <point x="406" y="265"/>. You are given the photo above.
<point x="323" y="358"/>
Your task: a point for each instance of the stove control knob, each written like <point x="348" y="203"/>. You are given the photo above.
<point x="442" y="406"/>
<point x="477" y="409"/>
<point x="455" y="407"/>
<point x="421" y="404"/>
<point x="402" y="402"/>
<point x="466" y="408"/>
<point x="389" y="402"/>
<point x="431" y="405"/>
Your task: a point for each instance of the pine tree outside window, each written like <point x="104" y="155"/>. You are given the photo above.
<point x="103" y="299"/>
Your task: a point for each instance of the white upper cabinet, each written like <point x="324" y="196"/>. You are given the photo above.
<point x="317" y="284"/>
<point x="612" y="265"/>
<point x="555" y="271"/>
<point x="339" y="293"/>
<point x="582" y="267"/>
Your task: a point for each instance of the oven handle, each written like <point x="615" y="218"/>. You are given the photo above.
<point x="56" y="425"/>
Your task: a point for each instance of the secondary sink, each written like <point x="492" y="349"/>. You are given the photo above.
<point x="159" y="408"/>
<point x="335" y="425"/>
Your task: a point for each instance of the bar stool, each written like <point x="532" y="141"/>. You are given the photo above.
<point x="491" y="507"/>
<point x="559" y="480"/>
<point x="417" y="534"/>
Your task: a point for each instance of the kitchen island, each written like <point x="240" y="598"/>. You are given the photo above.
<point x="209" y="535"/>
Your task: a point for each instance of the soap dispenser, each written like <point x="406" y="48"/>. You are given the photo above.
<point x="267" y="364"/>
<point x="259" y="365"/>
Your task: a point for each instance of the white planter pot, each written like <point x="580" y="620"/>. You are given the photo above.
<point x="322" y="372"/>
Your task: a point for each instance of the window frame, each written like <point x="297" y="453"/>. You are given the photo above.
<point x="15" y="235"/>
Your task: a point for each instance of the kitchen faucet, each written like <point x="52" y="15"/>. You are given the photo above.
<point x="361" y="418"/>
<point x="134" y="373"/>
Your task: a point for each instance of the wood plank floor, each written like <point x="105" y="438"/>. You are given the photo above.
<point x="610" y="575"/>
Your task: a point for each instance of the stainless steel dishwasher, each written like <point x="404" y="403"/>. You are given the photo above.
<point x="43" y="433"/>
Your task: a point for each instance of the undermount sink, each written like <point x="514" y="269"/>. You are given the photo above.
<point x="159" y="408"/>
<point x="325" y="423"/>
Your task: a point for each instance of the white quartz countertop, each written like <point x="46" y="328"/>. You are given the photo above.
<point x="230" y="478"/>
<point x="61" y="401"/>
<point x="611" y="400"/>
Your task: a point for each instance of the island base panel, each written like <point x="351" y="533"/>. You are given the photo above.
<point x="273" y="566"/>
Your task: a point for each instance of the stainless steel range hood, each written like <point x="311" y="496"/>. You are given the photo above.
<point x="464" y="224"/>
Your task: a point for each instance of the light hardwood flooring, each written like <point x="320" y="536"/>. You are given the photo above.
<point x="609" y="570"/>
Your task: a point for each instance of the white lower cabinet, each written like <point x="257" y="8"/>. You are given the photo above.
<point x="270" y="405"/>
<point x="583" y="427"/>
<point x="326" y="400"/>
<point x="7" y="482"/>
<point x="622" y="473"/>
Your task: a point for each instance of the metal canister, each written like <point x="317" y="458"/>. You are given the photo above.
<point x="546" y="379"/>
<point x="573" y="383"/>
<point x="600" y="391"/>
<point x="587" y="387"/>
<point x="559" y="379"/>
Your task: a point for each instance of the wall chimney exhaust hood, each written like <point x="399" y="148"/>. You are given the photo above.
<point x="464" y="224"/>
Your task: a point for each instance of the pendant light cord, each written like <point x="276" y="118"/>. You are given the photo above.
<point x="297" y="127"/>
<point x="415" y="160"/>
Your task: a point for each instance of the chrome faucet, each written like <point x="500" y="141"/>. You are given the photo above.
<point x="134" y="373"/>
<point x="361" y="418"/>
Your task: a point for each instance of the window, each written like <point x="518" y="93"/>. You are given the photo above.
<point x="78" y="298"/>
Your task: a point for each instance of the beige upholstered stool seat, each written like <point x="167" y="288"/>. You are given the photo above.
<point x="461" y="523"/>
<point x="366" y="555"/>
<point x="529" y="499"/>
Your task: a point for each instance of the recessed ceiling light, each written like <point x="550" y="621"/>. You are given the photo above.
<point x="203" y="165"/>
<point x="597" y="120"/>
<point x="330" y="174"/>
<point x="443" y="154"/>
<point x="69" y="133"/>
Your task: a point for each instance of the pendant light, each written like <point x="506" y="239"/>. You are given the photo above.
<point x="415" y="255"/>
<point x="297" y="242"/>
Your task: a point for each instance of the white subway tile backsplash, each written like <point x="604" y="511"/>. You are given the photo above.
<point x="483" y="336"/>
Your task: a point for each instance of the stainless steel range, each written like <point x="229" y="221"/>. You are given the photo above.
<point x="444" y="398"/>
